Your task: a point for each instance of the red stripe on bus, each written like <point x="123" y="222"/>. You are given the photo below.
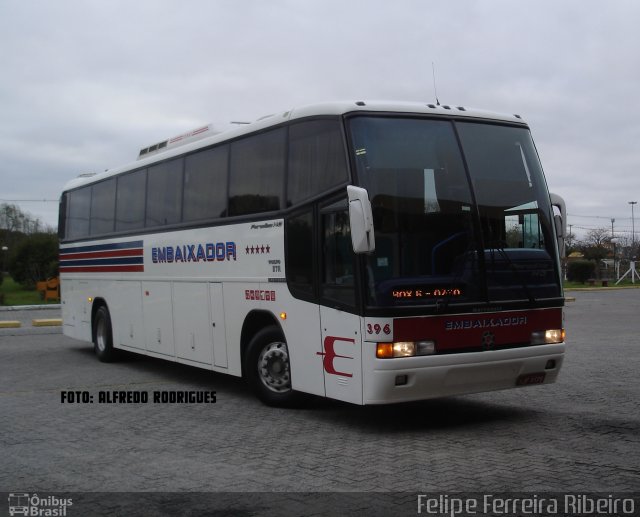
<point x="467" y="330"/>
<point x="102" y="254"/>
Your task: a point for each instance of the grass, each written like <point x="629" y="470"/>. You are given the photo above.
<point x="598" y="283"/>
<point x="577" y="285"/>
<point x="15" y="294"/>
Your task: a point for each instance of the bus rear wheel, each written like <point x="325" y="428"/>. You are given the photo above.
<point x="267" y="368"/>
<point x="103" y="335"/>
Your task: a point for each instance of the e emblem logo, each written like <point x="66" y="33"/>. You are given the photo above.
<point x="330" y="354"/>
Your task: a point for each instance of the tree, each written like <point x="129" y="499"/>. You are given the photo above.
<point x="14" y="220"/>
<point x="35" y="258"/>
<point x="570" y="243"/>
<point x="597" y="245"/>
<point x="20" y="231"/>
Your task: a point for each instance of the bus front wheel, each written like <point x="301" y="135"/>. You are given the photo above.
<point x="103" y="336"/>
<point x="267" y="368"/>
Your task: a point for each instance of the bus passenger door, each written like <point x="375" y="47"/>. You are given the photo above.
<point x="341" y="339"/>
<point x="302" y="323"/>
<point x="341" y="355"/>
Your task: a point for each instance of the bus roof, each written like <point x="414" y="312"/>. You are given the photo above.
<point x="313" y="110"/>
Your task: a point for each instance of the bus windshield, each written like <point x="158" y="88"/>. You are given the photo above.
<point x="461" y="212"/>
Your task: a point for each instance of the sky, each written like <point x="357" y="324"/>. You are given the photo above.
<point x="85" y="84"/>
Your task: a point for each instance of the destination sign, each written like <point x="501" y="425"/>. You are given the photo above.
<point x="424" y="292"/>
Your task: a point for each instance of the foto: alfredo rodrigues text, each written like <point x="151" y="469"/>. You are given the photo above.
<point x="137" y="397"/>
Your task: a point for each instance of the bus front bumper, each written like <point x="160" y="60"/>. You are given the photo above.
<point x="419" y="378"/>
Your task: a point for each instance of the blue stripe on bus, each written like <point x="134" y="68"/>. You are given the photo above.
<point x="104" y="247"/>
<point x="103" y="262"/>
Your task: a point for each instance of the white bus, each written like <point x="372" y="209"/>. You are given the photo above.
<point x="363" y="251"/>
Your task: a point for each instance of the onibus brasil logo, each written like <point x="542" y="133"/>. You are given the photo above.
<point x="21" y="503"/>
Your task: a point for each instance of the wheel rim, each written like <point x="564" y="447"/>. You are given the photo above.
<point x="101" y="335"/>
<point x="273" y="367"/>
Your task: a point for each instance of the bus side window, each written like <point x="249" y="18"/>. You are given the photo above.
<point x="317" y="159"/>
<point x="300" y="254"/>
<point x="130" y="196"/>
<point x="79" y="207"/>
<point x="256" y="178"/>
<point x="205" y="184"/>
<point x="338" y="268"/>
<point x="164" y="193"/>
<point x="62" y="217"/>
<point x="103" y="207"/>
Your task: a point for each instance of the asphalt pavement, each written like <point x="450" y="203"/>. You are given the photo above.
<point x="580" y="435"/>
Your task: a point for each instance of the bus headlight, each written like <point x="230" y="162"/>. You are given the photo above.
<point x="425" y="347"/>
<point x="547" y="337"/>
<point x="405" y="349"/>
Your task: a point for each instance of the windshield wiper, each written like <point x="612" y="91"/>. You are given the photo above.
<point x="514" y="268"/>
<point x="524" y="162"/>
<point x="443" y="303"/>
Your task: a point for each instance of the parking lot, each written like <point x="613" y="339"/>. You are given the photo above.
<point x="579" y="435"/>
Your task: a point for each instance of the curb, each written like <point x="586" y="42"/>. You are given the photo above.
<point x="37" y="322"/>
<point x="54" y="322"/>
<point x="10" y="324"/>
<point x="51" y="306"/>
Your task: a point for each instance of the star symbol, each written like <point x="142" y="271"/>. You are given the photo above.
<point x="247" y="250"/>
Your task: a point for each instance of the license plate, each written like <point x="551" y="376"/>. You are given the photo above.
<point x="530" y="378"/>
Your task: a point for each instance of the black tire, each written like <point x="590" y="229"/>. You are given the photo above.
<point x="267" y="369"/>
<point x="103" y="336"/>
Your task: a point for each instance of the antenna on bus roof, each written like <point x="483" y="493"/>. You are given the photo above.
<point x="435" y="91"/>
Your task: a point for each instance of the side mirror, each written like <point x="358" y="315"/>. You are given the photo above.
<point x="361" y="220"/>
<point x="560" y="221"/>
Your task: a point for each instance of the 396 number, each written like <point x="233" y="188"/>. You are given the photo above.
<point x="377" y="328"/>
